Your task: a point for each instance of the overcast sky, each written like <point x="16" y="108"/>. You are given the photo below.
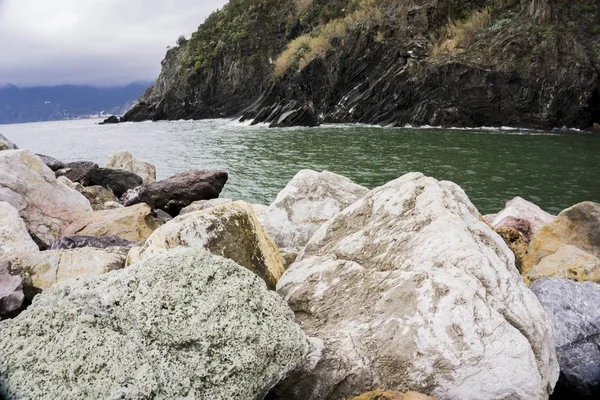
<point x="97" y="42"/>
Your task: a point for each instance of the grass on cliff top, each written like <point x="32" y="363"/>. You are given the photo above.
<point x="456" y="35"/>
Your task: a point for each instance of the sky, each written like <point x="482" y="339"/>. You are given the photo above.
<point x="94" y="42"/>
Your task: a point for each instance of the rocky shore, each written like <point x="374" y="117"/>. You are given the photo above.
<point x="115" y="285"/>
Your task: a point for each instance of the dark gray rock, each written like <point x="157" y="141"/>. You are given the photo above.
<point x="110" y="120"/>
<point x="12" y="298"/>
<point x="77" y="171"/>
<point x="117" y="180"/>
<point x="575" y="310"/>
<point x="179" y="191"/>
<point x="52" y="162"/>
<point x="98" y="242"/>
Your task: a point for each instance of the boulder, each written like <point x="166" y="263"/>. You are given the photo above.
<point x="98" y="242"/>
<point x="391" y="395"/>
<point x="230" y="231"/>
<point x="12" y="298"/>
<point x="409" y="290"/>
<point x="116" y="180"/>
<point x="133" y="223"/>
<point x="186" y="324"/>
<point x="204" y="205"/>
<point x="125" y="161"/>
<point x="308" y="201"/>
<point x="30" y="186"/>
<point x="575" y="310"/>
<point x="51" y="162"/>
<point x="110" y="120"/>
<point x="6" y="144"/>
<point x="179" y="191"/>
<point x="14" y="237"/>
<point x="522" y="215"/>
<point x="77" y="171"/>
<point x="44" y="269"/>
<point x="568" y="247"/>
<point x="98" y="196"/>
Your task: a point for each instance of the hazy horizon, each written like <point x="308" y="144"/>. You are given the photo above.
<point x="99" y="43"/>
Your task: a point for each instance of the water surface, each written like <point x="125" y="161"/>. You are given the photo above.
<point x="551" y="169"/>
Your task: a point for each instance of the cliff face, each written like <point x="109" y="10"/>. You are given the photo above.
<point x="533" y="63"/>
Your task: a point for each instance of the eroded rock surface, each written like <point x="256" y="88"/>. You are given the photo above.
<point x="569" y="247"/>
<point x="204" y="205"/>
<point x="575" y="310"/>
<point x="230" y="230"/>
<point x="409" y="290"/>
<point x="186" y="324"/>
<point x="98" y="242"/>
<point x="133" y="223"/>
<point x="30" y="186"/>
<point x="6" y="144"/>
<point x="44" y="269"/>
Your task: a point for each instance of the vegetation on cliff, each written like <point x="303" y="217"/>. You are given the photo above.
<point x="532" y="63"/>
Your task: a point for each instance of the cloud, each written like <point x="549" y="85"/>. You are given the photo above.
<point x="97" y="42"/>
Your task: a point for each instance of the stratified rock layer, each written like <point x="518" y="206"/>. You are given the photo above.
<point x="575" y="310"/>
<point x="409" y="290"/>
<point x="186" y="324"/>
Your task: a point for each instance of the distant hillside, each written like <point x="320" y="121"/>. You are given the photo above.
<point x="527" y="63"/>
<point x="65" y="102"/>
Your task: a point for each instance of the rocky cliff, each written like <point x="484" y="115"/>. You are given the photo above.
<point x="528" y="63"/>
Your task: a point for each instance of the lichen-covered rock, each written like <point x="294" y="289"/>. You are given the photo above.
<point x="98" y="196"/>
<point x="391" y="395"/>
<point x="409" y="290"/>
<point x="179" y="191"/>
<point x="569" y="247"/>
<point x="308" y="201"/>
<point x="230" y="230"/>
<point x="575" y="310"/>
<point x="30" y="186"/>
<point x="204" y="204"/>
<point x="186" y="324"/>
<point x="44" y="269"/>
<point x="6" y="144"/>
<point x="98" y="242"/>
<point x="14" y="237"/>
<point x="522" y="215"/>
<point x="124" y="160"/>
<point x="11" y="291"/>
<point x="133" y="223"/>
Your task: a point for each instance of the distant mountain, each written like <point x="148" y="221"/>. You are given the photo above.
<point x="55" y="103"/>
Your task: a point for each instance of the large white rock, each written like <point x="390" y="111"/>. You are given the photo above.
<point x="14" y="238"/>
<point x="308" y="201"/>
<point x="230" y="230"/>
<point x="31" y="187"/>
<point x="409" y="290"/>
<point x="125" y="161"/>
<point x="184" y="325"/>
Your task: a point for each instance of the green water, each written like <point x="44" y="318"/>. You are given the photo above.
<point x="554" y="171"/>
